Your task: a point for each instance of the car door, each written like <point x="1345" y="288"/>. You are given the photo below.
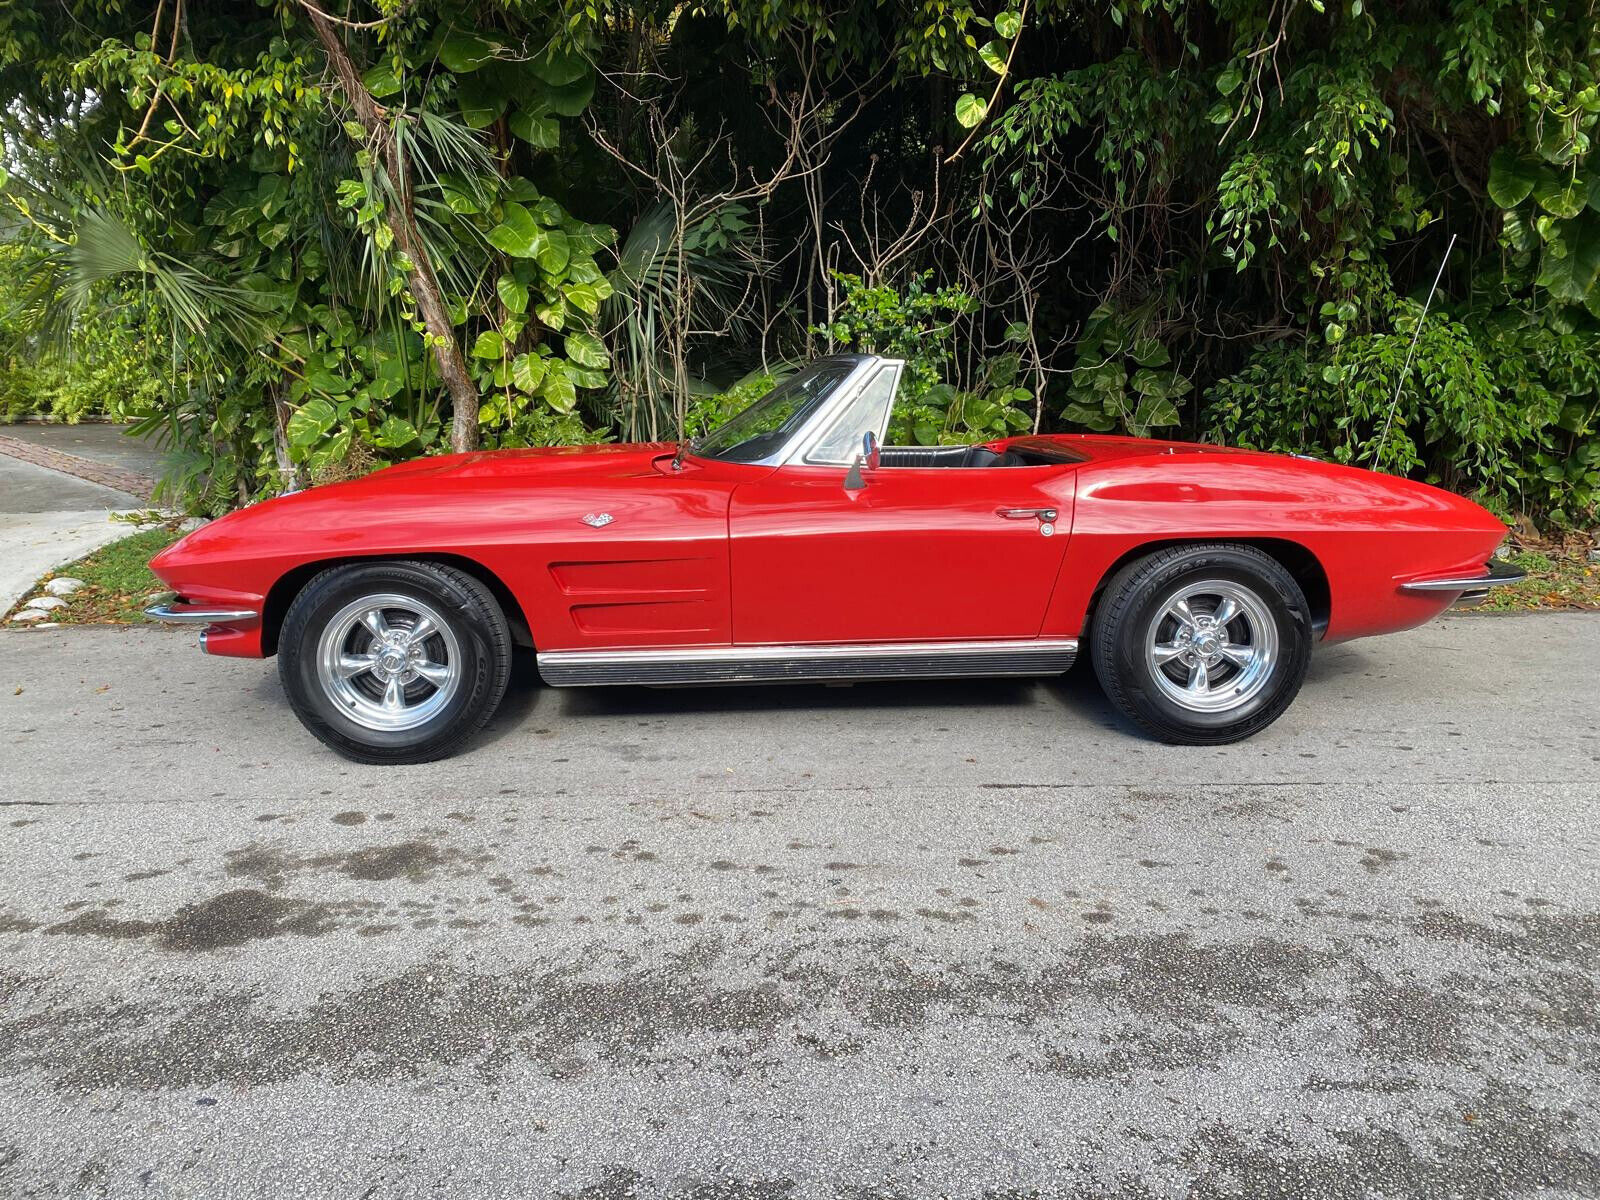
<point x="917" y="554"/>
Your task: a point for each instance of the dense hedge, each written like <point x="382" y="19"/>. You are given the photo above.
<point x="319" y="242"/>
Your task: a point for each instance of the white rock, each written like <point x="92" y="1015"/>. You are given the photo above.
<point x="45" y="603"/>
<point x="31" y="614"/>
<point x="47" y="625"/>
<point x="63" y="586"/>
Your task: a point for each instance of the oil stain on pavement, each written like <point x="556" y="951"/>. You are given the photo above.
<point x="951" y="1021"/>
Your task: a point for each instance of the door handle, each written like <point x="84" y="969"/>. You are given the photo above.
<point x="1024" y="514"/>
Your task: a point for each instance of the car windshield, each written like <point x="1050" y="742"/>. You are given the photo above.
<point x="763" y="429"/>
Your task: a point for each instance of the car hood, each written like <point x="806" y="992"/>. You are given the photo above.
<point x="608" y="458"/>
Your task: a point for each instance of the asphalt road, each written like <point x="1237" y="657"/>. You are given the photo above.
<point x="890" y="941"/>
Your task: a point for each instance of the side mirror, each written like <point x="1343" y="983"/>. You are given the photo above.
<point x="869" y="458"/>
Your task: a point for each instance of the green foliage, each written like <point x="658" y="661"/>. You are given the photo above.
<point x="1510" y="408"/>
<point x="102" y="373"/>
<point x="1122" y="205"/>
<point x="709" y="411"/>
<point x="117" y="580"/>
<point x="916" y="324"/>
<point x="1123" y="379"/>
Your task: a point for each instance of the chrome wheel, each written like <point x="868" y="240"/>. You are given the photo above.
<point x="389" y="662"/>
<point x="1212" y="646"/>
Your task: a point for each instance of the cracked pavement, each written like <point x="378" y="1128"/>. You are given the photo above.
<point x="966" y="939"/>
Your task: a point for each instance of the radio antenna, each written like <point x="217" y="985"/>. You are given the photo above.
<point x="1406" y="369"/>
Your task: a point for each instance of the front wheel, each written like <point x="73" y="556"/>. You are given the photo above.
<point x="394" y="662"/>
<point x="1202" y="644"/>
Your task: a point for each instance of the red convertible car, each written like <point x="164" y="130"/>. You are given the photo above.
<point x="787" y="545"/>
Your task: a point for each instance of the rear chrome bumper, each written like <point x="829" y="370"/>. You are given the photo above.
<point x="1471" y="589"/>
<point x="173" y="613"/>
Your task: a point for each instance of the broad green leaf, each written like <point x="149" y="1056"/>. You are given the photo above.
<point x="552" y="251"/>
<point x="1017" y="331"/>
<point x="1559" y="194"/>
<point x="1511" y="178"/>
<point x="570" y="99"/>
<point x="543" y="133"/>
<point x="394" y="432"/>
<point x="1518" y="232"/>
<point x="465" y="52"/>
<point x="994" y="57"/>
<point x="587" y="350"/>
<point x="320" y="379"/>
<point x="1571" y="277"/>
<point x="482" y="101"/>
<point x="310" y="422"/>
<point x="558" y="68"/>
<point x="517" y="233"/>
<point x="381" y="80"/>
<point x="1008" y="24"/>
<point x="5" y="178"/>
<point x="1228" y="82"/>
<point x="552" y="313"/>
<point x="527" y="372"/>
<point x="520" y="236"/>
<point x="558" y="391"/>
<point x="586" y="296"/>
<point x="489" y="345"/>
<point x="1154" y="412"/>
<point x="970" y="110"/>
<point x="1091" y="417"/>
<point x="547" y="212"/>
<point x="512" y="294"/>
<point x="1148" y="352"/>
<point x="1159" y="385"/>
<point x="457" y="199"/>
<point x="331" y="451"/>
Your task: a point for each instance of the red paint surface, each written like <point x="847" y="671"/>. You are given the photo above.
<point x="719" y="552"/>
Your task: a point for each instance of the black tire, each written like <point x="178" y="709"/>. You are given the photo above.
<point x="1127" y="623"/>
<point x="479" y="669"/>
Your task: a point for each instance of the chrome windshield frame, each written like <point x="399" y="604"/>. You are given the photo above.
<point x="821" y="421"/>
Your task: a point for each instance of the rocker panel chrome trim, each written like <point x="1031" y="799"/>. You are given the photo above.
<point x="807" y="664"/>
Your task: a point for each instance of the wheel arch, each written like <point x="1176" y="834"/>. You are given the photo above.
<point x="282" y="593"/>
<point x="1295" y="558"/>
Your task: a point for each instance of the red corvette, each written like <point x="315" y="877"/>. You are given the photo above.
<point x="788" y="546"/>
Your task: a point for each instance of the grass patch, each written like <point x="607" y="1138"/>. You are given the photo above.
<point x="1559" y="577"/>
<point x="115" y="581"/>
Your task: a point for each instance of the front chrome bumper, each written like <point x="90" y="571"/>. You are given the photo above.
<point x="169" y="610"/>
<point x="1472" y="589"/>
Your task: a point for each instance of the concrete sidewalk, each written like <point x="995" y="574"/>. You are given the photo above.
<point x="48" y="519"/>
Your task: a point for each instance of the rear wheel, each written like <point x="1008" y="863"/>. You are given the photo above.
<point x="394" y="662"/>
<point x="1202" y="644"/>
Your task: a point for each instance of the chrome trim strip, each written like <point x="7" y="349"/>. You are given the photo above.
<point x="187" y="614"/>
<point x="1499" y="573"/>
<point x="802" y="439"/>
<point x="806" y="664"/>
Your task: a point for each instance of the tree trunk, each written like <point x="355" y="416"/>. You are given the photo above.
<point x="289" y="475"/>
<point x="402" y="221"/>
